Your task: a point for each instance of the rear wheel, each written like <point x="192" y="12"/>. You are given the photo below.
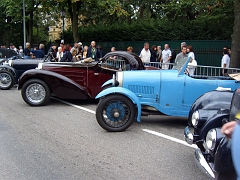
<point x="35" y="92"/>
<point x="115" y="113"/>
<point x="6" y="80"/>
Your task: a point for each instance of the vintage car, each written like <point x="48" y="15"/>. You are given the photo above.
<point x="213" y="154"/>
<point x="169" y="92"/>
<point x="11" y="69"/>
<point x="74" y="80"/>
<point x="7" y="53"/>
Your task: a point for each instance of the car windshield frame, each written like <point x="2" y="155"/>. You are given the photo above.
<point x="181" y="64"/>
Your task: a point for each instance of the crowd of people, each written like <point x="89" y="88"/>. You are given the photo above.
<point x="66" y="53"/>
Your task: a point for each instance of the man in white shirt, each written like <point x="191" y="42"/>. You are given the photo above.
<point x="145" y="54"/>
<point x="166" y="56"/>
<point x="225" y="62"/>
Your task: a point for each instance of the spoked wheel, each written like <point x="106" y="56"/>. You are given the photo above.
<point x="115" y="113"/>
<point x="35" y="92"/>
<point x="6" y="80"/>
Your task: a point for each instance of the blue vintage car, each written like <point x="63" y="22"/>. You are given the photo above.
<point x="169" y="92"/>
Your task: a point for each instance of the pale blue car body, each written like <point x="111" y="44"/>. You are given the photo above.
<point x="171" y="92"/>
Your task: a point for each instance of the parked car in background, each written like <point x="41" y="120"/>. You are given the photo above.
<point x="74" y="80"/>
<point x="213" y="154"/>
<point x="169" y="92"/>
<point x="7" y="53"/>
<point x="11" y="69"/>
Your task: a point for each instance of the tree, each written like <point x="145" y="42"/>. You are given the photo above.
<point x="235" y="55"/>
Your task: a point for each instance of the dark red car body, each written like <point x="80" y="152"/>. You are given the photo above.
<point x="74" y="80"/>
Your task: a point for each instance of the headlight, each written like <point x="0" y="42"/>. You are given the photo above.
<point x="195" y="118"/>
<point x="211" y="139"/>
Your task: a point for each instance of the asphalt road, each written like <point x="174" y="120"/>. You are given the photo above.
<point x="63" y="142"/>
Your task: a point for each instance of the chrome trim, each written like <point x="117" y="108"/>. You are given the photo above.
<point x="188" y="136"/>
<point x="202" y="163"/>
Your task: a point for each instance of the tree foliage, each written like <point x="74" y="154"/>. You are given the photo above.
<point x="119" y="20"/>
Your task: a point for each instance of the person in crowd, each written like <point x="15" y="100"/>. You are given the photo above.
<point x="153" y="54"/>
<point x="20" y="51"/>
<point x="62" y="45"/>
<point x="192" y="63"/>
<point x="84" y="54"/>
<point x="59" y="54"/>
<point x="130" y="49"/>
<point x="231" y="130"/>
<point x="182" y="54"/>
<point x="75" y="58"/>
<point x="225" y="62"/>
<point x="74" y="47"/>
<point x="27" y="51"/>
<point x="52" y="52"/>
<point x="12" y="47"/>
<point x="80" y="48"/>
<point x="229" y="50"/>
<point x="39" y="53"/>
<point x="67" y="55"/>
<point x="112" y="50"/>
<point x="100" y="49"/>
<point x="94" y="52"/>
<point x="172" y="60"/>
<point x="159" y="53"/>
<point x="145" y="53"/>
<point x="183" y="44"/>
<point x="166" y="56"/>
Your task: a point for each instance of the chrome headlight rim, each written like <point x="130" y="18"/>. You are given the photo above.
<point x="211" y="139"/>
<point x="195" y="118"/>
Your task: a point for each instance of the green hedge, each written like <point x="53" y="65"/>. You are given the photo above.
<point x="157" y="30"/>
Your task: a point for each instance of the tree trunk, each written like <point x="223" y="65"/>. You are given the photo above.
<point x="75" y="22"/>
<point x="235" y="55"/>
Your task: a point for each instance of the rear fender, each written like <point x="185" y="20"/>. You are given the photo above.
<point x="60" y="85"/>
<point x="125" y="92"/>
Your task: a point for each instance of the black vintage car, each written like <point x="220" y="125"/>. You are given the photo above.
<point x="213" y="154"/>
<point x="12" y="69"/>
<point x="7" y="53"/>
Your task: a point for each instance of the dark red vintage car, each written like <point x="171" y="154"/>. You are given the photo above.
<point x="74" y="80"/>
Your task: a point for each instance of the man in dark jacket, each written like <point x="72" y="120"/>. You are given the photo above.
<point x="93" y="52"/>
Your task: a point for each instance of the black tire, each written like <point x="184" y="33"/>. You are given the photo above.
<point x="115" y="113"/>
<point x="35" y="92"/>
<point x="6" y="80"/>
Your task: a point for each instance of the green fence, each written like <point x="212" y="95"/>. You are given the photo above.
<point x="208" y="53"/>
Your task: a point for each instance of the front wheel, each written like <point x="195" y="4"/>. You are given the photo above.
<point x="35" y="92"/>
<point x="115" y="113"/>
<point x="6" y="80"/>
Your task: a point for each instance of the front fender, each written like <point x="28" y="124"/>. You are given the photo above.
<point x="126" y="92"/>
<point x="223" y="156"/>
<point x="11" y="69"/>
<point x="214" y="122"/>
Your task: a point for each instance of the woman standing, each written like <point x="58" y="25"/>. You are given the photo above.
<point x="192" y="63"/>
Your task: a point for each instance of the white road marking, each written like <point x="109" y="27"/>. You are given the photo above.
<point x="169" y="138"/>
<point x="76" y="106"/>
<point x="145" y="130"/>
